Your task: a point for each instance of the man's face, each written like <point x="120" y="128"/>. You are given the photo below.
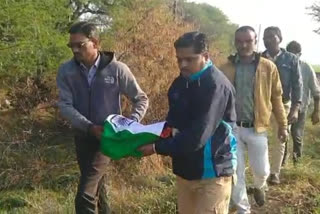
<point x="271" y="40"/>
<point x="190" y="62"/>
<point x="245" y="42"/>
<point x="83" y="48"/>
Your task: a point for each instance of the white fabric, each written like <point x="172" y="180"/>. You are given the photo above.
<point x="257" y="147"/>
<point x="278" y="149"/>
<point x="120" y="123"/>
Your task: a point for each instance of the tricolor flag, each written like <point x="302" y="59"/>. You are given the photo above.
<point x="122" y="136"/>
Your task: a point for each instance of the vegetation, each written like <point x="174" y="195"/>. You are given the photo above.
<point x="38" y="168"/>
<point x="316" y="68"/>
<point x="314" y="11"/>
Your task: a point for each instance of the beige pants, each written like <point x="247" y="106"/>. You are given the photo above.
<point x="208" y="196"/>
<point x="277" y="152"/>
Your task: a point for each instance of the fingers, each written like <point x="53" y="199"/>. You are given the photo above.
<point x="140" y="149"/>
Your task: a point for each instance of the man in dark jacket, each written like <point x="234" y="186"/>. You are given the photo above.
<point x="90" y="85"/>
<point x="310" y="89"/>
<point x="202" y="112"/>
<point x="291" y="80"/>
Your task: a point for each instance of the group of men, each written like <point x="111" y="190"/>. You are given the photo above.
<point x="216" y="115"/>
<point x="277" y="82"/>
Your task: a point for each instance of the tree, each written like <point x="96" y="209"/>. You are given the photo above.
<point x="33" y="32"/>
<point x="213" y="22"/>
<point x="30" y="37"/>
<point x="314" y="11"/>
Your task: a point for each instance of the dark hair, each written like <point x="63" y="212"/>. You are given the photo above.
<point x="276" y="30"/>
<point x="245" y="29"/>
<point x="195" y="39"/>
<point x="86" y="28"/>
<point x="294" y="47"/>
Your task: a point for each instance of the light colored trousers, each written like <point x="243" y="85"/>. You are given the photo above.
<point x="207" y="196"/>
<point x="257" y="146"/>
<point x="277" y="152"/>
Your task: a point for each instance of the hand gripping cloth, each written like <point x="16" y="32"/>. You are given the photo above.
<point x="122" y="136"/>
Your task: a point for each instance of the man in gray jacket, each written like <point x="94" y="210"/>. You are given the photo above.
<point x="90" y="85"/>
<point x="310" y="89"/>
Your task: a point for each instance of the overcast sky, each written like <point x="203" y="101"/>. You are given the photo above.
<point x="289" y="15"/>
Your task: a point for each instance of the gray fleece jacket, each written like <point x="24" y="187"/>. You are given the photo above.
<point x="84" y="105"/>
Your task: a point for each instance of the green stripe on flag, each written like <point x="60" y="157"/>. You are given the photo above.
<point x="124" y="143"/>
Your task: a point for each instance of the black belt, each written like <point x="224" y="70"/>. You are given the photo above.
<point x="245" y="124"/>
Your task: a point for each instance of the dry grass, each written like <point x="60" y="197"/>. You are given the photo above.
<point x="41" y="177"/>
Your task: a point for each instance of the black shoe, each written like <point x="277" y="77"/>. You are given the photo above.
<point x="295" y="159"/>
<point x="259" y="196"/>
<point x="250" y="190"/>
<point x="274" y="179"/>
<point x="285" y="160"/>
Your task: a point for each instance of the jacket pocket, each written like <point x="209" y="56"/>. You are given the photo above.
<point x="223" y="157"/>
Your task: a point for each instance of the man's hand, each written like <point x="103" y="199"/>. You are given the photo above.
<point x="283" y="134"/>
<point x="147" y="149"/>
<point x="315" y="117"/>
<point x="96" y="131"/>
<point x="293" y="115"/>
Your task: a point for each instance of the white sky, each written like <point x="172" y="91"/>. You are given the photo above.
<point x="289" y="15"/>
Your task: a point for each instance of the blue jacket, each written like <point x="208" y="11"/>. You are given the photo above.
<point x="290" y="76"/>
<point x="201" y="110"/>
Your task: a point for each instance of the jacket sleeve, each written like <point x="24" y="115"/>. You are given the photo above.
<point x="296" y="82"/>
<point x="65" y="104"/>
<point x="195" y="136"/>
<point x="130" y="88"/>
<point x="313" y="83"/>
<point x="230" y="115"/>
<point x="276" y="99"/>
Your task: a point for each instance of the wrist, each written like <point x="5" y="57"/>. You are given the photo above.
<point x="134" y="117"/>
<point x="154" y="148"/>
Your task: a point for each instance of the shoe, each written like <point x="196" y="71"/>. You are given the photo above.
<point x="250" y="190"/>
<point x="295" y="159"/>
<point x="259" y="196"/>
<point x="274" y="179"/>
<point x="285" y="160"/>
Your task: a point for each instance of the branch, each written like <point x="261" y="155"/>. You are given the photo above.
<point x="315" y="13"/>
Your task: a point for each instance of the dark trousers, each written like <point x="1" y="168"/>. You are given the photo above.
<point x="297" y="132"/>
<point x="91" y="195"/>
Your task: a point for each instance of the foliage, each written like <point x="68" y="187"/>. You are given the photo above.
<point x="214" y="23"/>
<point x="38" y="168"/>
<point x="316" y="68"/>
<point x="145" y="38"/>
<point x="30" y="36"/>
<point x="33" y="33"/>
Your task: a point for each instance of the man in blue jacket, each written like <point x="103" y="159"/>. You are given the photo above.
<point x="202" y="112"/>
<point x="90" y="85"/>
<point x="291" y="80"/>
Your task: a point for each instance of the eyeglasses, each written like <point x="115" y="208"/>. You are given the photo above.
<point x="78" y="45"/>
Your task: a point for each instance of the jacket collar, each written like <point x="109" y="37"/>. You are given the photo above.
<point x="233" y="58"/>
<point x="105" y="59"/>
